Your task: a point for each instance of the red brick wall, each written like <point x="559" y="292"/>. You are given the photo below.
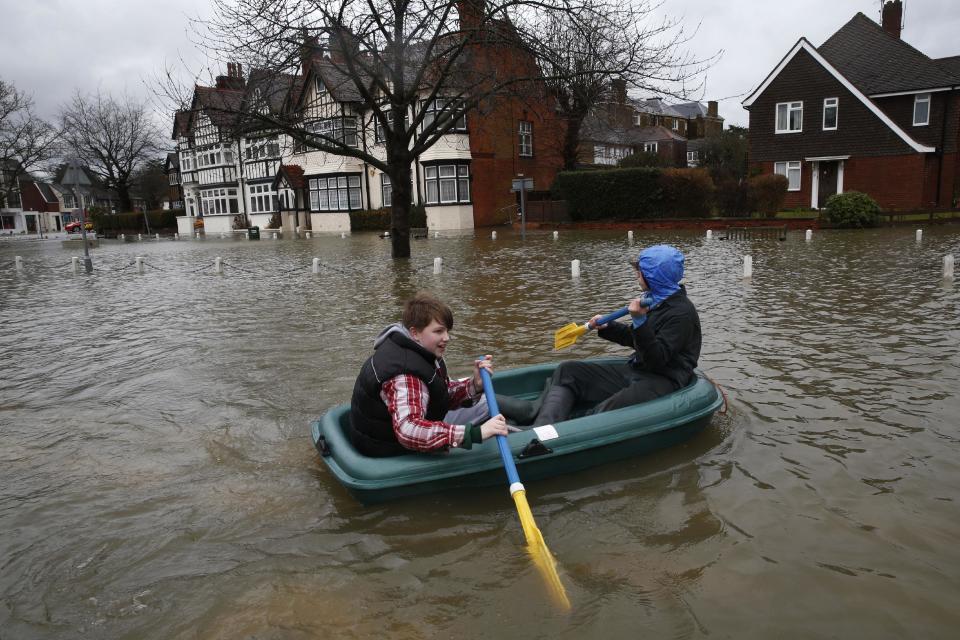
<point x="895" y="182"/>
<point x="794" y="199"/>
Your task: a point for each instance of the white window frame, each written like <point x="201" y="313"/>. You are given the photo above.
<point x="263" y="199"/>
<point x="831" y="103"/>
<point x="525" y="132"/>
<point x="692" y="158"/>
<point x="386" y="190"/>
<point x="442" y="180"/>
<point x="785" y="168"/>
<point x="337" y="192"/>
<point x="651" y="147"/>
<point x="921" y="98"/>
<point x="789" y="108"/>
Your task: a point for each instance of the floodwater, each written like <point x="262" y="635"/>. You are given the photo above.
<point x="157" y="478"/>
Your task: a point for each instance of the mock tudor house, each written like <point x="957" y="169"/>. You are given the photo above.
<point x="864" y="112"/>
<point x="232" y="174"/>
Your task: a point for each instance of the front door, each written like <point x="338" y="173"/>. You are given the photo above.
<point x="828" y="182"/>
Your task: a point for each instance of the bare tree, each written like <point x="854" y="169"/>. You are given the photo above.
<point x="113" y="139"/>
<point x="583" y="53"/>
<point x="457" y="56"/>
<point x="27" y="142"/>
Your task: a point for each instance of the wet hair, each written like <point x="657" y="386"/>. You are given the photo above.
<point x="422" y="308"/>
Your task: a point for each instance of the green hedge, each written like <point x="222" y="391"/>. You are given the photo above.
<point x="613" y="194"/>
<point x="687" y="193"/>
<point x="379" y="219"/>
<point x="133" y="222"/>
<point x="766" y="193"/>
<point x="852" y="209"/>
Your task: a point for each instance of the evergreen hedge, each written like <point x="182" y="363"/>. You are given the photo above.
<point x="615" y="194"/>
<point x="852" y="209"/>
<point x="379" y="219"/>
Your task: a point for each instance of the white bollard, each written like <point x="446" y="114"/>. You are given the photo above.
<point x="747" y="266"/>
<point x="18" y="263"/>
<point x="176" y="236"/>
<point x="75" y="264"/>
<point x="493" y="235"/>
<point x="948" y="266"/>
<point x="436" y="234"/>
<point x="247" y="234"/>
<point x="630" y="237"/>
<point x="223" y="236"/>
<point x="556" y="234"/>
<point x="218" y="265"/>
<point x="309" y="235"/>
<point x="158" y="237"/>
<point x="342" y="236"/>
<point x="139" y="261"/>
<point x="919" y="235"/>
<point x="298" y="229"/>
<point x="198" y="235"/>
<point x="808" y="236"/>
<point x="438" y="265"/>
<point x="709" y="234"/>
<point x="575" y="269"/>
<point x="274" y="236"/>
<point x="316" y="265"/>
<point x="123" y="237"/>
<point x="139" y="237"/>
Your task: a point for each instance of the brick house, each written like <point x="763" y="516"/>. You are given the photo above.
<point x="463" y="180"/>
<point x="865" y="112"/>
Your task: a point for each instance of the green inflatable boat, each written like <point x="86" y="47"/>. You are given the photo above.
<point x="541" y="452"/>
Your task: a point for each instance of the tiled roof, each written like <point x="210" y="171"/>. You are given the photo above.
<point x="337" y="82"/>
<point x="181" y="124"/>
<point x="691" y="110"/>
<point x="951" y="64"/>
<point x="293" y="173"/>
<point x="222" y="106"/>
<point x="877" y="62"/>
<point x="657" y="106"/>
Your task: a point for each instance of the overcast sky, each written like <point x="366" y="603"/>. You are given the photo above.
<point x="52" y="47"/>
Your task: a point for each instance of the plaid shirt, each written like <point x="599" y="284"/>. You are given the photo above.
<point x="407" y="396"/>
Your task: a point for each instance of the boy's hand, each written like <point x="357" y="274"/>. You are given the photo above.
<point x="486" y="363"/>
<point x="637" y="308"/>
<point x="495" y="426"/>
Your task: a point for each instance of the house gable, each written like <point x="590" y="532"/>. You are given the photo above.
<point x="804" y="74"/>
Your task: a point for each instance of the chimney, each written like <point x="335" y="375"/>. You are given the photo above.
<point x="618" y="91"/>
<point x="892" y="17"/>
<point x="470" y="13"/>
<point x="307" y="50"/>
<point x="712" y="109"/>
<point x="342" y="43"/>
<point x="234" y="77"/>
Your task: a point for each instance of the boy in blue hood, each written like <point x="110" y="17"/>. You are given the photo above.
<point x="664" y="333"/>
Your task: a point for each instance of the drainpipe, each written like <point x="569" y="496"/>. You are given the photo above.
<point x="943" y="140"/>
<point x="243" y="195"/>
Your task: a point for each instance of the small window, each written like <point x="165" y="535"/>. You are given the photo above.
<point x="692" y="158"/>
<point x="789" y="117"/>
<point x="921" y="110"/>
<point x="650" y="147"/>
<point x="791" y="171"/>
<point x="675" y="124"/>
<point x="830" y="109"/>
<point x="526" y="138"/>
<point x="386" y="190"/>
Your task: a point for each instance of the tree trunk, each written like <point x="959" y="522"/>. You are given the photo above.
<point x="402" y="194"/>
<point x="124" y="192"/>
<point x="571" y="142"/>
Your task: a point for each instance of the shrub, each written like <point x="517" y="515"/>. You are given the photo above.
<point x="730" y="196"/>
<point x="611" y="194"/>
<point x="852" y="209"/>
<point x="766" y="193"/>
<point x="642" y="159"/>
<point x="275" y="222"/>
<point x="370" y="219"/>
<point x="686" y="192"/>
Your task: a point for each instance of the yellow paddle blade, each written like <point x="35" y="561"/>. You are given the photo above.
<point x="537" y="548"/>
<point x="567" y="336"/>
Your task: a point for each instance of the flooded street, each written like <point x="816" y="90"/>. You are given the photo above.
<point x="157" y="478"/>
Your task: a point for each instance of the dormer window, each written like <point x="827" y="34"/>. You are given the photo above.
<point x="321" y="88"/>
<point x="921" y="110"/>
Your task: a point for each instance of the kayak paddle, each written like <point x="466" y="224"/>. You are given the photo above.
<point x="567" y="336"/>
<point x="536" y="546"/>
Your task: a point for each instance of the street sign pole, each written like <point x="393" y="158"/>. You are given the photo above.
<point x="522" y="185"/>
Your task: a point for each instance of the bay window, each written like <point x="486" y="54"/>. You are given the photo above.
<point x="447" y="183"/>
<point x="335" y="193"/>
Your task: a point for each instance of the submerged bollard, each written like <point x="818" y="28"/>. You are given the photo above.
<point x="309" y="235"/>
<point x="123" y="237"/>
<point x="222" y="236"/>
<point x="438" y="265"/>
<point x="342" y="236"/>
<point x="139" y="261"/>
<point x="575" y="269"/>
<point x="139" y="237"/>
<point x="218" y="265"/>
<point x="247" y="234"/>
<point x="274" y="236"/>
<point x="316" y="265"/>
<point x="709" y="234"/>
<point x="158" y="237"/>
<point x="75" y="264"/>
<point x="176" y="236"/>
<point x="948" y="266"/>
<point x="919" y="235"/>
<point x="630" y="237"/>
<point x="198" y="235"/>
<point x="556" y="234"/>
<point x="18" y="263"/>
<point x="493" y="235"/>
<point x="809" y="235"/>
<point x="436" y="234"/>
<point x="747" y="266"/>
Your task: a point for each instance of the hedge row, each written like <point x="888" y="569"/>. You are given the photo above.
<point x="379" y="219"/>
<point x="133" y="222"/>
<point x="652" y="192"/>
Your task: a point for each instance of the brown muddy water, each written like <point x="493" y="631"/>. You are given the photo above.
<point x="157" y="478"/>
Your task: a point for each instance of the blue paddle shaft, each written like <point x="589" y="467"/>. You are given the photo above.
<point x="505" y="454"/>
<point x="619" y="313"/>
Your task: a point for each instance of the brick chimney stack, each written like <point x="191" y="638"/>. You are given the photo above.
<point x="892" y="17"/>
<point x="712" y="110"/>
<point x="234" y="77"/>
<point x="618" y="91"/>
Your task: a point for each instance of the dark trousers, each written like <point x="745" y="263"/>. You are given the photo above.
<point x="606" y="386"/>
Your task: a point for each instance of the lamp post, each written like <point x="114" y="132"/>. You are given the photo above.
<point x="87" y="263"/>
